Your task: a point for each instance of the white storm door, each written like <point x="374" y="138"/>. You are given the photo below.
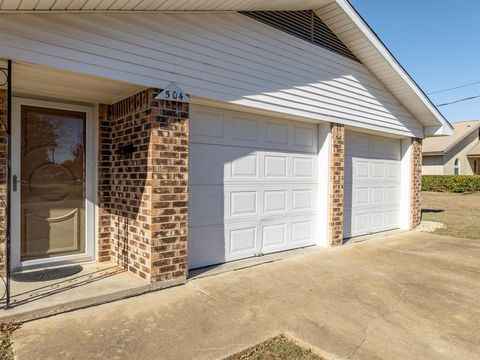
<point x="52" y="188"/>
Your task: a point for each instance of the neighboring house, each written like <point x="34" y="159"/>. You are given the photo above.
<point x="303" y="130"/>
<point x="458" y="154"/>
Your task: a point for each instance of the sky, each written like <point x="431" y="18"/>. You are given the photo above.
<point x="437" y="42"/>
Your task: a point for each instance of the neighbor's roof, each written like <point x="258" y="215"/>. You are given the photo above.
<point x="440" y="145"/>
<point x="339" y="15"/>
<point x="475" y="151"/>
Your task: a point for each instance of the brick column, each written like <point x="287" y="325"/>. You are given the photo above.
<point x="144" y="194"/>
<point x="337" y="182"/>
<point x="104" y="179"/>
<point x="3" y="177"/>
<point x="169" y="171"/>
<point x="416" y="185"/>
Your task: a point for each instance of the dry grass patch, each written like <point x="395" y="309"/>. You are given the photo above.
<point x="278" y="348"/>
<point x="6" y="331"/>
<point x="459" y="212"/>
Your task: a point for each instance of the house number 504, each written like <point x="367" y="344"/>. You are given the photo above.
<point x="173" y="93"/>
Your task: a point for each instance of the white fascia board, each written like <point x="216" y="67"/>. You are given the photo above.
<point x="394" y="64"/>
<point x="443" y="130"/>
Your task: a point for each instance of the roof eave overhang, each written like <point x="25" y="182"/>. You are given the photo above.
<point x="434" y="123"/>
<point x="440" y="130"/>
<point x="178" y="6"/>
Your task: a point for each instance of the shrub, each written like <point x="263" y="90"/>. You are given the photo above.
<point x="451" y="183"/>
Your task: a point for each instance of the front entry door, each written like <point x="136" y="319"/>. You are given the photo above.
<point x="51" y="187"/>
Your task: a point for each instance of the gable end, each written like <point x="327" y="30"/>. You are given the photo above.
<point x="305" y="25"/>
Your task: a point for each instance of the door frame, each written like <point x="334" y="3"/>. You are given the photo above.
<point x="90" y="187"/>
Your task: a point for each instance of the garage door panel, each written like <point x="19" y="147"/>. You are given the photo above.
<point x="217" y="126"/>
<point x="275" y="201"/>
<point x="206" y="205"/>
<point x="211" y="127"/>
<point x="266" y="201"/>
<point x="244" y="166"/>
<point x="242" y="241"/>
<point x="364" y="221"/>
<point x="367" y="195"/>
<point x="393" y="173"/>
<point x="206" y="165"/>
<point x="266" y="236"/>
<point x="276" y="166"/>
<point x="276" y="133"/>
<point x="256" y="179"/>
<point x="268" y="166"/>
<point x="372" y="184"/>
<point x="245" y="129"/>
<point x="274" y="236"/>
<point x="368" y="146"/>
<point x="303" y="200"/>
<point x="303" y="168"/>
<point x="208" y="247"/>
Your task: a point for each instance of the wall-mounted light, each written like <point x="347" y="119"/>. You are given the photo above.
<point x="126" y="149"/>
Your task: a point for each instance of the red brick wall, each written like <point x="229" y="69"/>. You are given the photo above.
<point x="130" y="191"/>
<point x="3" y="177"/>
<point x="416" y="186"/>
<point x="143" y="197"/>
<point x="336" y="180"/>
<point x="169" y="168"/>
<point x="104" y="179"/>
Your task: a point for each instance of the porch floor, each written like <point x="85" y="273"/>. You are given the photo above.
<point x="96" y="283"/>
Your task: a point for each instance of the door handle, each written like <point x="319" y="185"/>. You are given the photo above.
<point x="16" y="181"/>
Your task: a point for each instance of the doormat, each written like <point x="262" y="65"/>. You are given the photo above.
<point x="47" y="274"/>
<point x="280" y="347"/>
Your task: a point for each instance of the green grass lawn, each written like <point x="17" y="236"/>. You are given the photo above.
<point x="459" y="212"/>
<point x="278" y="348"/>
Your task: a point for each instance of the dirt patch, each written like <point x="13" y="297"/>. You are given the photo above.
<point x="458" y="212"/>
<point x="278" y="348"/>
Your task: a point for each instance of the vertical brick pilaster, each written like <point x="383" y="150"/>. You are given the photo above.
<point x="104" y="179"/>
<point x="3" y="176"/>
<point x="144" y="195"/>
<point x="169" y="149"/>
<point x="416" y="185"/>
<point x="337" y="183"/>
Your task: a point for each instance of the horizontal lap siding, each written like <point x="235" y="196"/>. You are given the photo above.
<point x="223" y="57"/>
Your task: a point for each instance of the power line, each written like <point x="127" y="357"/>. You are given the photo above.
<point x="453" y="88"/>
<point x="459" y="100"/>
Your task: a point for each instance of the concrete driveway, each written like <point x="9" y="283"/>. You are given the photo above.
<point x="406" y="296"/>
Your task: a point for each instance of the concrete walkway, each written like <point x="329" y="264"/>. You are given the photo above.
<point x="406" y="296"/>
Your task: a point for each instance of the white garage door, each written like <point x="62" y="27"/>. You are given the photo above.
<point x="372" y="184"/>
<point x="253" y="186"/>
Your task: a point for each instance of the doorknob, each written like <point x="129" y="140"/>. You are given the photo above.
<point x="16" y="181"/>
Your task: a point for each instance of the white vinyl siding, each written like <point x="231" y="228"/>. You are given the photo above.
<point x="224" y="57"/>
<point x="252" y="185"/>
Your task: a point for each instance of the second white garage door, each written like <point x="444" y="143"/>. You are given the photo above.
<point x="372" y="184"/>
<point x="253" y="186"/>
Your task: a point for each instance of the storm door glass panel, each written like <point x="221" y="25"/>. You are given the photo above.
<point x="53" y="183"/>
